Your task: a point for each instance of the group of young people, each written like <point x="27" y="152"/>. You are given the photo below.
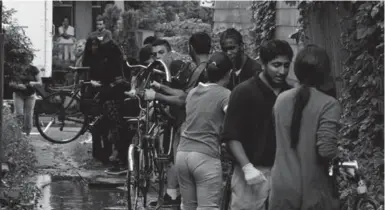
<point x="281" y="137"/>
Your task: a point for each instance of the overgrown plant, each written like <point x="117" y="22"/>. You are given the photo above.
<point x="112" y="14"/>
<point x="18" y="47"/>
<point x="263" y="19"/>
<point x="362" y="132"/>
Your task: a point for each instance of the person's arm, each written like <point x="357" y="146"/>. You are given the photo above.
<point x="327" y="131"/>
<point x="171" y="100"/>
<point x="171" y="91"/>
<point x="234" y="125"/>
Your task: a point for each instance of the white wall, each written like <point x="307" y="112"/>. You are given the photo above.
<point x="36" y="17"/>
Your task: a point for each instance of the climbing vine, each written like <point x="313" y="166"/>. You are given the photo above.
<point x="362" y="132"/>
<point x="263" y="19"/>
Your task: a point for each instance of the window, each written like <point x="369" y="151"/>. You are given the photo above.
<point x="61" y="10"/>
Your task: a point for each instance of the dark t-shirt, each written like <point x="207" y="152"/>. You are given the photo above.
<point x="28" y="75"/>
<point x="249" y="120"/>
<point x="250" y="68"/>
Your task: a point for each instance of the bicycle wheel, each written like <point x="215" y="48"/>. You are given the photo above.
<point x="133" y="187"/>
<point x="58" y="118"/>
<point x="366" y="203"/>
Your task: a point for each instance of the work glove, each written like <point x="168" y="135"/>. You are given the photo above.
<point x="149" y="95"/>
<point x="252" y="175"/>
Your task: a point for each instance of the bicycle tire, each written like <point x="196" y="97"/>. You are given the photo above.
<point x="362" y="202"/>
<point x="132" y="182"/>
<point x="50" y="102"/>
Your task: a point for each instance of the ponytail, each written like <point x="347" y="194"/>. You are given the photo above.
<point x="301" y="99"/>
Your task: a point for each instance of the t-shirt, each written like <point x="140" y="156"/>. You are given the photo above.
<point x="250" y="68"/>
<point x="103" y="36"/>
<point x="205" y="106"/>
<point x="180" y="112"/>
<point x="249" y="120"/>
<point x="28" y="75"/>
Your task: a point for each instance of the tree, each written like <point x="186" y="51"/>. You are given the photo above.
<point x="18" y="47"/>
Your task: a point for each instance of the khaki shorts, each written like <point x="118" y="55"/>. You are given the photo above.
<point x="249" y="197"/>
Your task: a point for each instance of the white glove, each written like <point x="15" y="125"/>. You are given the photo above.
<point x="253" y="175"/>
<point x="95" y="83"/>
<point x="131" y="93"/>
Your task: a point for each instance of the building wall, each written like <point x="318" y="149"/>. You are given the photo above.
<point x="83" y="19"/>
<point x="232" y="14"/>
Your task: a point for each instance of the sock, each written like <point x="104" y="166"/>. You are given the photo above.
<point x="172" y="193"/>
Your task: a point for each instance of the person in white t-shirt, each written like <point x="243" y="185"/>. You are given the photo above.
<point x="67" y="38"/>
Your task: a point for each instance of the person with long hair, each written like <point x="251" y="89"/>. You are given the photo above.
<point x="306" y="126"/>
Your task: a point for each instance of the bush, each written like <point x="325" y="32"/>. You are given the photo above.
<point x="20" y="153"/>
<point x="18" y="47"/>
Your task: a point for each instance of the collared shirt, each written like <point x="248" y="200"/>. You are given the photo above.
<point x="249" y="120"/>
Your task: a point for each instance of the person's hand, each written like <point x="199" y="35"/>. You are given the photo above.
<point x="252" y="175"/>
<point x="156" y="85"/>
<point x="95" y="83"/>
<point x="21" y="86"/>
<point x="149" y="95"/>
<point x="131" y="93"/>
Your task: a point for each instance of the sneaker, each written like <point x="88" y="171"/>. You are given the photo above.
<point x="116" y="170"/>
<point x="167" y="201"/>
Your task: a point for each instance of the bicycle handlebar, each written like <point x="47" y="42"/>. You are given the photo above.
<point x="166" y="71"/>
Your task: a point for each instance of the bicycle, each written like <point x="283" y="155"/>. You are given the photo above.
<point x="60" y="106"/>
<point x="69" y="111"/>
<point x="362" y="200"/>
<point x="146" y="156"/>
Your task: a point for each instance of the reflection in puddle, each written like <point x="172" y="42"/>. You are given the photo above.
<point x="63" y="195"/>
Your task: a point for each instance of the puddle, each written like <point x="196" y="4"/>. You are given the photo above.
<point x="72" y="194"/>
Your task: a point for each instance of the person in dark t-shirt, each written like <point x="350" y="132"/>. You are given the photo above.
<point x="243" y="66"/>
<point x="249" y="130"/>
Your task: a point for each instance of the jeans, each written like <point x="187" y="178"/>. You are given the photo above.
<point x="249" y="197"/>
<point x="172" y="177"/>
<point x="200" y="180"/>
<point x="24" y="106"/>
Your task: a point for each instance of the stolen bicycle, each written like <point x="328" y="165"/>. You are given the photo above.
<point x="146" y="156"/>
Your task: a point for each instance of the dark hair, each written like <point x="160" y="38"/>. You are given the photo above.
<point x="145" y="53"/>
<point x="311" y="66"/>
<point x="149" y="40"/>
<point x="231" y="33"/>
<point x="99" y="18"/>
<point x="269" y="50"/>
<point x="218" y="66"/>
<point x="87" y="55"/>
<point x="201" y="42"/>
<point x="159" y="42"/>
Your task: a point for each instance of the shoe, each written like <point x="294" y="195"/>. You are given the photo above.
<point x="116" y="170"/>
<point x="167" y="201"/>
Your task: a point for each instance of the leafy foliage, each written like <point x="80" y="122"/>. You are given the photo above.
<point x="18" y="47"/>
<point x="21" y="155"/>
<point x="112" y="14"/>
<point x="183" y="28"/>
<point x="154" y="12"/>
<point x="362" y="96"/>
<point x="263" y="20"/>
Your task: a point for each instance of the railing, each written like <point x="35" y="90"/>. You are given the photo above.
<point x="63" y="55"/>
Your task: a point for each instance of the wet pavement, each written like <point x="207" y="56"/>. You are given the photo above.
<point x="70" y="179"/>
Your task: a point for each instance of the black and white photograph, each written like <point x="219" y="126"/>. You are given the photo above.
<point x="191" y="105"/>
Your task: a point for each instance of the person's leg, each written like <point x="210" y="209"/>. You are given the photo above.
<point x="186" y="180"/>
<point x="18" y="102"/>
<point x="172" y="176"/>
<point x="29" y="105"/>
<point x="208" y="179"/>
<point x="244" y="196"/>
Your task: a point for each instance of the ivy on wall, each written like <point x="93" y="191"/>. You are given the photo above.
<point x="362" y="132"/>
<point x="263" y="19"/>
